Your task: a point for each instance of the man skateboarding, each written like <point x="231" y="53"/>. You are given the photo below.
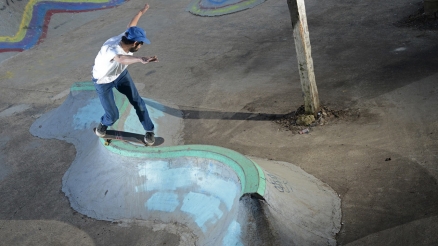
<point x="109" y="71"/>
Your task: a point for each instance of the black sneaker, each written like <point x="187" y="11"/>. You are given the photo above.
<point x="149" y="138"/>
<point x="101" y="130"/>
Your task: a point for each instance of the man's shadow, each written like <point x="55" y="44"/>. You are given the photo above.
<point x="212" y="115"/>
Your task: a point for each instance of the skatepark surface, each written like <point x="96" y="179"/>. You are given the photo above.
<point x="206" y="189"/>
<point x="227" y="172"/>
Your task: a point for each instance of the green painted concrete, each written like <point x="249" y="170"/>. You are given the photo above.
<point x="251" y="176"/>
<point x="222" y="10"/>
<point x="82" y="86"/>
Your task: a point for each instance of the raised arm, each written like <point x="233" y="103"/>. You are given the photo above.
<point x="134" y="20"/>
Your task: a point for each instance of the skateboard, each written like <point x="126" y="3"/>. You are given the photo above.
<point x="127" y="137"/>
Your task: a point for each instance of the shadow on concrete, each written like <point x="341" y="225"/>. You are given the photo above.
<point x="214" y="115"/>
<point x="200" y="114"/>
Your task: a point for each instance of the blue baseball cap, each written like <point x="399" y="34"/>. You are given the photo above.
<point x="137" y="34"/>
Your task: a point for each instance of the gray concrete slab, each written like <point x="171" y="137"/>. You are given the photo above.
<point x="302" y="209"/>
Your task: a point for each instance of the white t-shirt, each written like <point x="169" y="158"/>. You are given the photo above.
<point x="105" y="69"/>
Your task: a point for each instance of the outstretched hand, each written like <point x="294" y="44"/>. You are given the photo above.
<point x="145" y="59"/>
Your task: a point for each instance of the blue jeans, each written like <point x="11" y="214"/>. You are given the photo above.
<point x="124" y="85"/>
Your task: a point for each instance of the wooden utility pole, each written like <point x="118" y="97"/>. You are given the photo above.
<point x="305" y="63"/>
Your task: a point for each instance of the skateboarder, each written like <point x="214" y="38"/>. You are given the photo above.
<point x="109" y="71"/>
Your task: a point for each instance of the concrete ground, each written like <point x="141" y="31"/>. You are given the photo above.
<point x="230" y="75"/>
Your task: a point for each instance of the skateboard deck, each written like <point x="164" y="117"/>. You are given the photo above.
<point x="128" y="137"/>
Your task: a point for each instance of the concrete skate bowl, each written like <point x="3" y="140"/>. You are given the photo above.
<point x="199" y="193"/>
<point x="215" y="195"/>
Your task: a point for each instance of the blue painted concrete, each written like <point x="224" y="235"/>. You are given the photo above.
<point x="233" y="235"/>
<point x="163" y="201"/>
<point x="92" y="110"/>
<point x="132" y="123"/>
<point x="203" y="208"/>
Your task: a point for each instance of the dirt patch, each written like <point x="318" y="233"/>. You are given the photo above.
<point x="299" y="123"/>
